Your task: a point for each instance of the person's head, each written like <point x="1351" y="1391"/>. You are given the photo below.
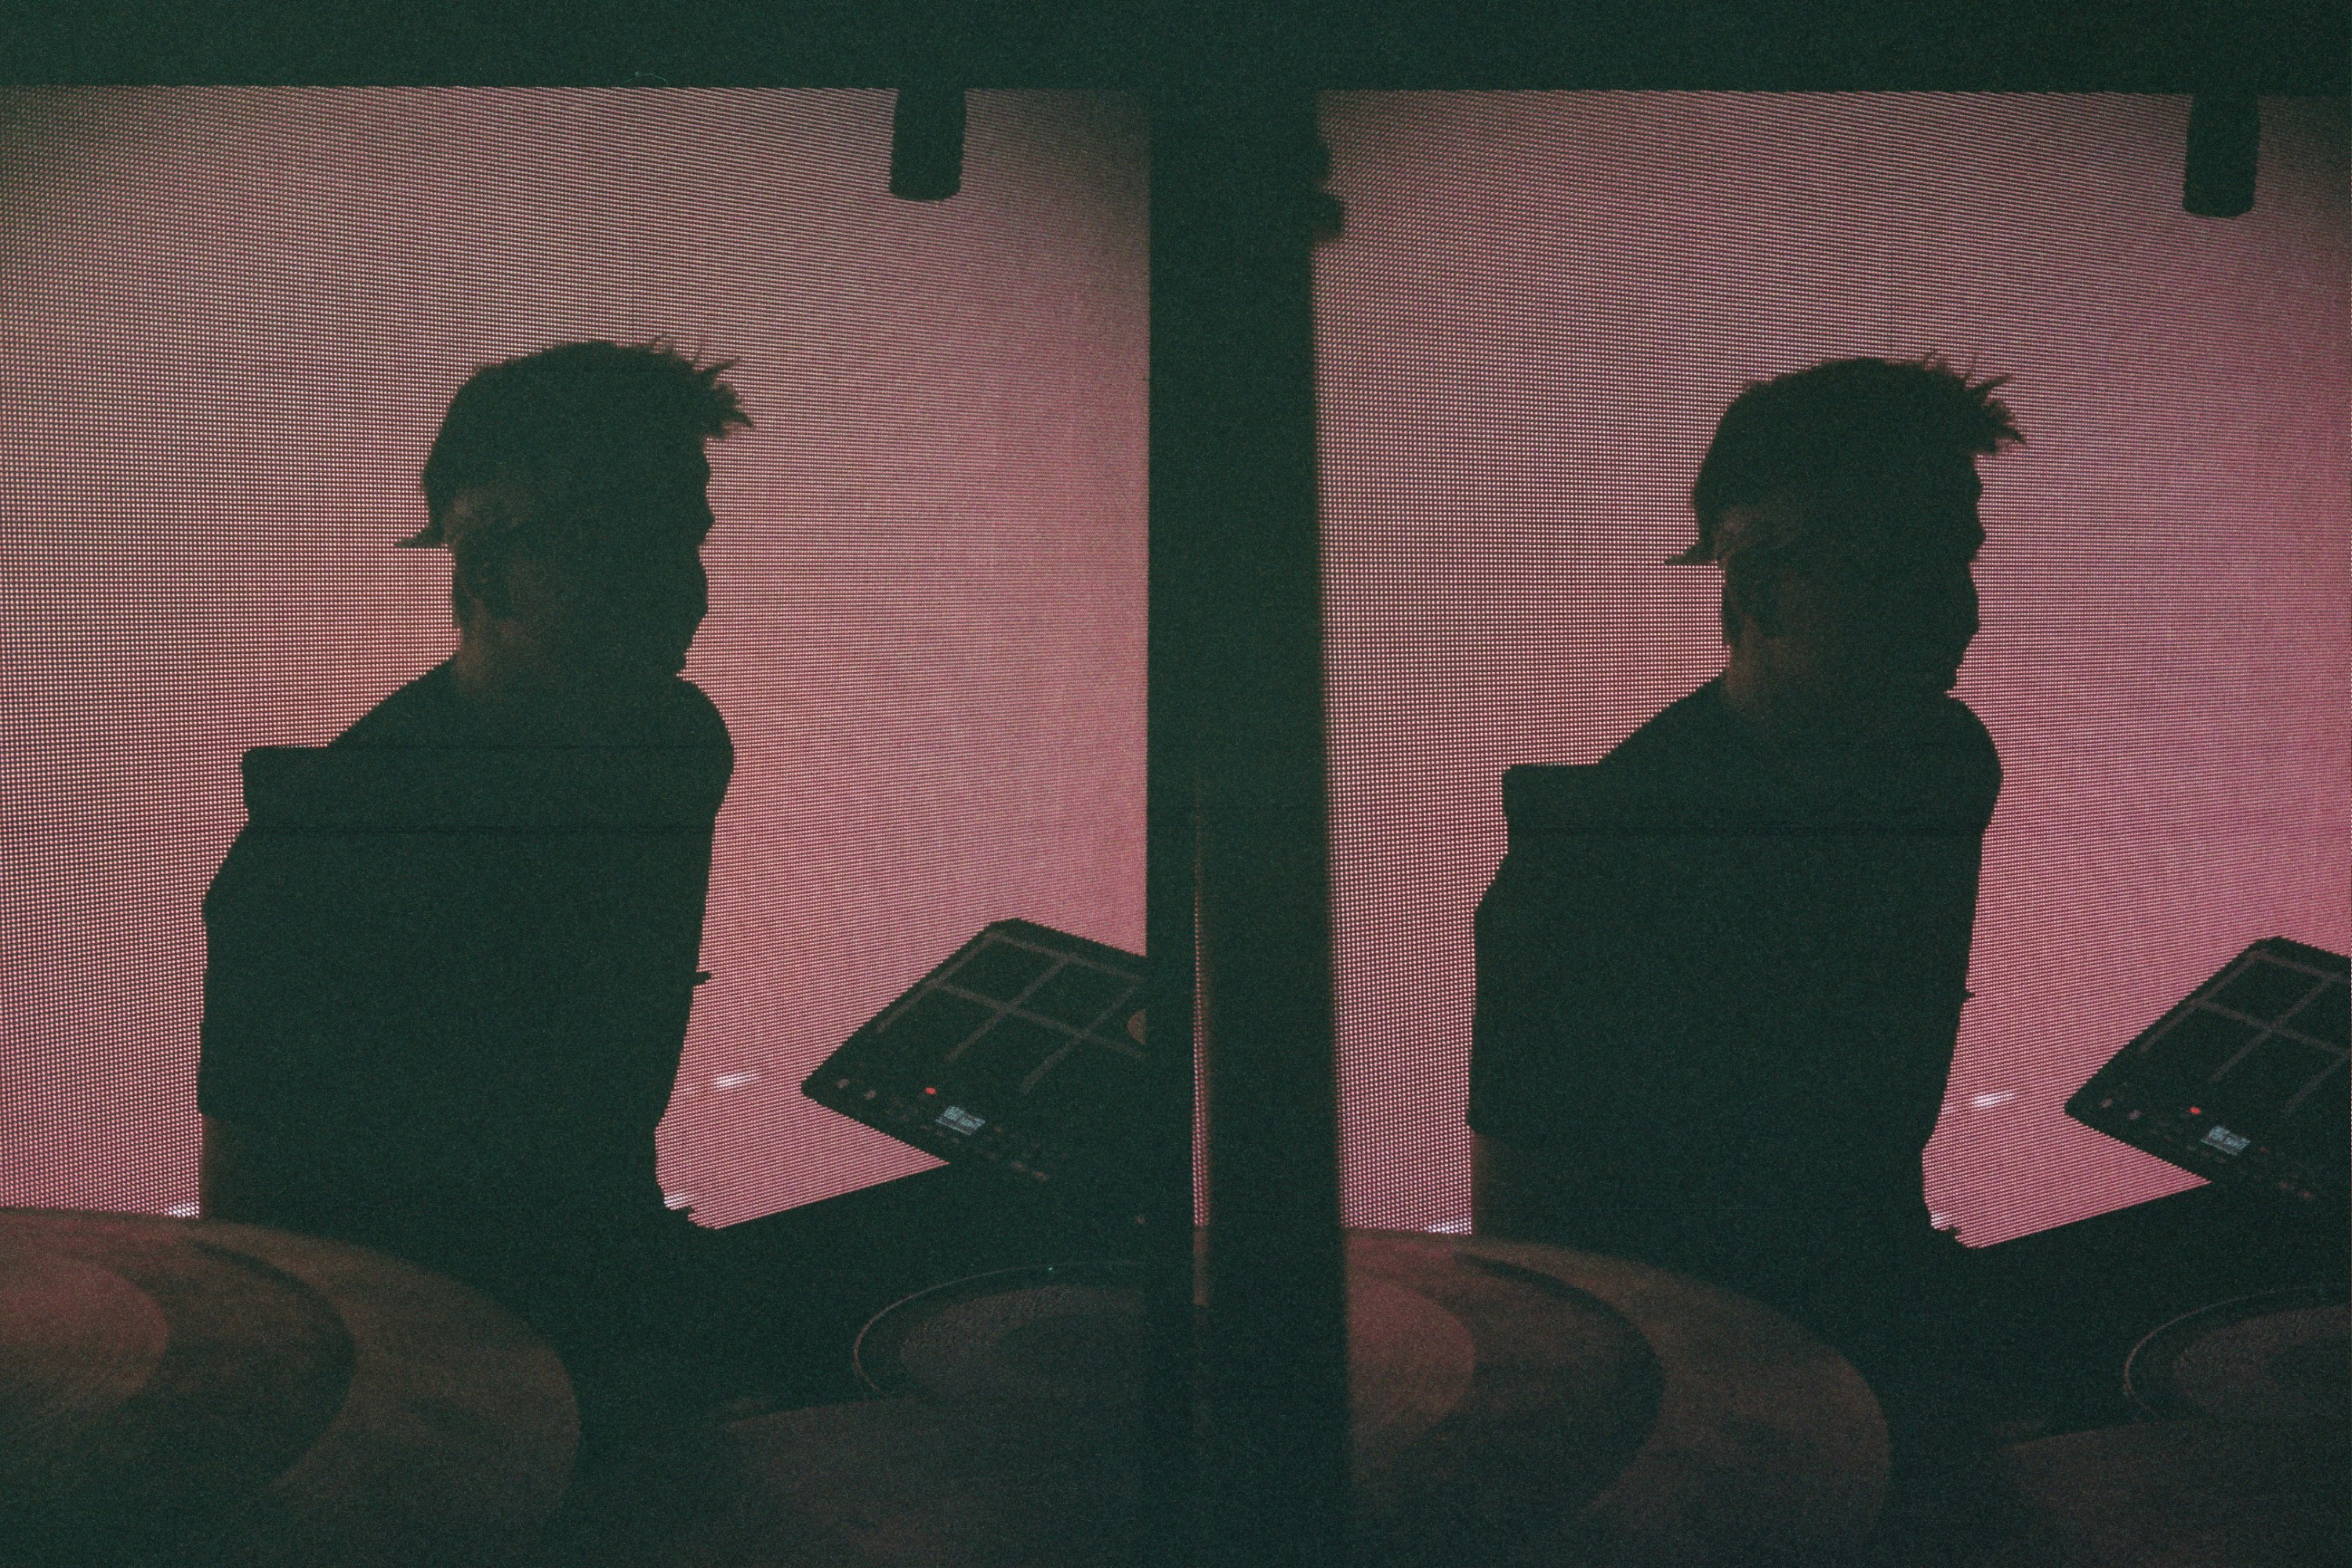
<point x="1840" y="501"/>
<point x="570" y="487"/>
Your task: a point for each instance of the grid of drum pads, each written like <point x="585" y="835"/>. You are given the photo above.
<point x="1017" y="1049"/>
<point x="2248" y="1076"/>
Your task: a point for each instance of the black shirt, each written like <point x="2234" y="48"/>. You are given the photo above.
<point x="448" y="980"/>
<point x="1720" y="977"/>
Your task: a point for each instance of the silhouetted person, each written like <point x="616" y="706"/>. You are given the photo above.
<point x="1720" y="972"/>
<point x="452" y="956"/>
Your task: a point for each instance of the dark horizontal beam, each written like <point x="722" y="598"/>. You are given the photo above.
<point x="2298" y="46"/>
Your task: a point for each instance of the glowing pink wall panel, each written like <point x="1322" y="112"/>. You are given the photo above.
<point x="1540" y="307"/>
<point x="231" y="321"/>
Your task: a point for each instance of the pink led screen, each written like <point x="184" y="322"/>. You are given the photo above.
<point x="1540" y="307"/>
<point x="231" y="321"/>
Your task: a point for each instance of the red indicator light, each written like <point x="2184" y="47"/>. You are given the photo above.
<point x="931" y="1092"/>
<point x="2194" y="1111"/>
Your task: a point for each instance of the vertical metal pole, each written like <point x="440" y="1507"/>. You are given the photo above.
<point x="1237" y="650"/>
<point x="1171" y="897"/>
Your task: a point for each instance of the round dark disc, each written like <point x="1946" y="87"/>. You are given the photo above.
<point x="1511" y="1403"/>
<point x="2280" y="1355"/>
<point x="175" y="1389"/>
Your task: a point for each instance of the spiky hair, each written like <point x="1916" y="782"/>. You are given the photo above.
<point x="1848" y="445"/>
<point x="1842" y="429"/>
<point x="581" y="423"/>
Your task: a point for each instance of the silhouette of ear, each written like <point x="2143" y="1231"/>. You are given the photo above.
<point x="1757" y="595"/>
<point x="485" y="581"/>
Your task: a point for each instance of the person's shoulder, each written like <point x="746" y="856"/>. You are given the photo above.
<point x="1964" y="731"/>
<point x="1692" y="728"/>
<point x="687" y="726"/>
<point x="691" y="719"/>
<point x="1673" y="765"/>
<point x="1967" y="754"/>
<point x="423" y="711"/>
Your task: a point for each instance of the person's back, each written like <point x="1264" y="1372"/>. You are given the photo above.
<point x="1718" y="986"/>
<point x="1720" y="974"/>
<point x="449" y="980"/>
<point x="451" y="955"/>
